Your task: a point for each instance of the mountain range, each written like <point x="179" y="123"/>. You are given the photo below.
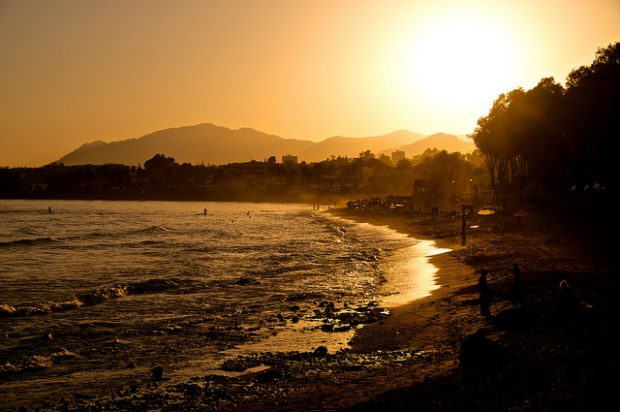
<point x="211" y="144"/>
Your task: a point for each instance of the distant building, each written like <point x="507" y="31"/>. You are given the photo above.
<point x="397" y="156"/>
<point x="289" y="160"/>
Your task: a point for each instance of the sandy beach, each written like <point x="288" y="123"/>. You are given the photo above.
<point x="525" y="357"/>
<point x="438" y="353"/>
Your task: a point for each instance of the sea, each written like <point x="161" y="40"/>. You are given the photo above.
<point x="93" y="293"/>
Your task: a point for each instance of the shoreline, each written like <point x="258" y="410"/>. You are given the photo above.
<point x="524" y="357"/>
<point x="451" y="275"/>
<point x="529" y="349"/>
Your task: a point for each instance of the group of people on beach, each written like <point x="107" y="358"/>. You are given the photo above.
<point x="564" y="296"/>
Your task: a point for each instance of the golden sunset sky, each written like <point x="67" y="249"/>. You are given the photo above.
<point x="72" y="72"/>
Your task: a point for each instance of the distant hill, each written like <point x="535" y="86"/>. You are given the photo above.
<point x="353" y="146"/>
<point x="441" y="141"/>
<point x="210" y="144"/>
<point x="206" y="143"/>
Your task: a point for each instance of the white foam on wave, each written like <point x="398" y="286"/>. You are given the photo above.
<point x="408" y="272"/>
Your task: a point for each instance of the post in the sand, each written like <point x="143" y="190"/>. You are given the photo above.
<point x="465" y="210"/>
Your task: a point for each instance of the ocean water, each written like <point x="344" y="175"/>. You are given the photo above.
<point x="97" y="292"/>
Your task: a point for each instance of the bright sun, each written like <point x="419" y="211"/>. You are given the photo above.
<point x="461" y="63"/>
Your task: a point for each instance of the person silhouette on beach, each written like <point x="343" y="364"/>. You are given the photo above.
<point x="517" y="293"/>
<point x="485" y="294"/>
<point x="205" y="211"/>
<point x="49" y="209"/>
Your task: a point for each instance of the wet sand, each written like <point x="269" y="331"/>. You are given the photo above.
<point x="438" y="353"/>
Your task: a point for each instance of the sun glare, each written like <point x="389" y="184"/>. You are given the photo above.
<point x="461" y="63"/>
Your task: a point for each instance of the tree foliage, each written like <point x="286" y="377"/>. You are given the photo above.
<point x="160" y="163"/>
<point x="553" y="135"/>
<point x="163" y="178"/>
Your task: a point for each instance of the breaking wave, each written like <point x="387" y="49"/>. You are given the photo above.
<point x="29" y="242"/>
<point x="91" y="298"/>
<point x="34" y="363"/>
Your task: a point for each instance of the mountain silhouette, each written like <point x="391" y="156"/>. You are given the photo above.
<point x="203" y="143"/>
<point x="210" y="144"/>
<point x="353" y="146"/>
<point x="441" y="141"/>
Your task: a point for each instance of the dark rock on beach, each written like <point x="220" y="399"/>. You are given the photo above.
<point x="478" y="352"/>
<point x="157" y="372"/>
<point x="321" y="351"/>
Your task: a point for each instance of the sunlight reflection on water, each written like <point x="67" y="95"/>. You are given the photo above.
<point x="413" y="277"/>
<point x="410" y="275"/>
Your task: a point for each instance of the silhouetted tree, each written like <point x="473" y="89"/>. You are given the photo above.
<point x="159" y="162"/>
<point x="554" y="136"/>
<point x="593" y="116"/>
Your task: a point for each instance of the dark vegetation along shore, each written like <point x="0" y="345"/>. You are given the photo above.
<point x="162" y="178"/>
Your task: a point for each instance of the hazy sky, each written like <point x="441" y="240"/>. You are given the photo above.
<point x="74" y="71"/>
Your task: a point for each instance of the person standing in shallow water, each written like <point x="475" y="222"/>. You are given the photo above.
<point x="485" y="294"/>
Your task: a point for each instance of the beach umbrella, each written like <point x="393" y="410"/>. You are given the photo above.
<point x="486" y="212"/>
